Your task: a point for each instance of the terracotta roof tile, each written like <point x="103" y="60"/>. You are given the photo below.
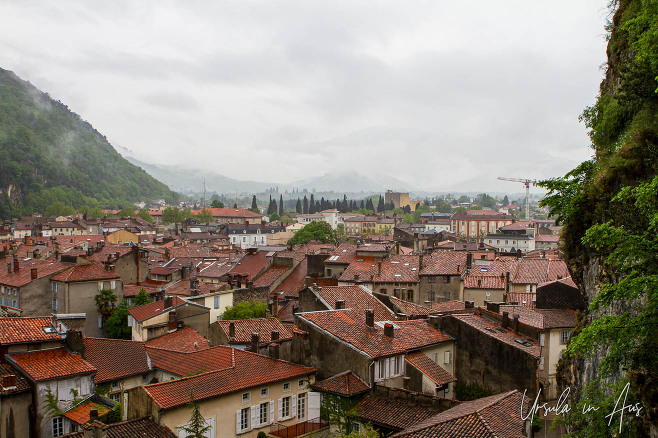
<point x="392" y="413"/>
<point x="92" y="272"/>
<point x="263" y="326"/>
<point x="411" y="309"/>
<point x="495" y="416"/>
<point x="27" y="330"/>
<point x="444" y="263"/>
<point x="116" y="358"/>
<point x="343" y="255"/>
<point x="80" y="413"/>
<point x="448" y="306"/>
<point x="113" y="252"/>
<point x="51" y="364"/>
<point x="248" y="370"/>
<point x="131" y="290"/>
<point x="185" y="340"/>
<point x="345" y="384"/>
<point x="543" y="319"/>
<point x="350" y="327"/>
<point x="394" y="269"/>
<point x="250" y="265"/>
<point x="139" y="428"/>
<point x="495" y="330"/>
<point x="24" y="275"/>
<point x="188" y="363"/>
<point x="536" y="271"/>
<point x="294" y="282"/>
<point x="21" y="383"/>
<point x="427" y="366"/>
<point x="272" y="274"/>
<point x="147" y="311"/>
<point x="358" y="299"/>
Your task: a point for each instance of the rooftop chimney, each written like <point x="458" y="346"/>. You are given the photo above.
<point x="340" y="304"/>
<point x="33" y="273"/>
<point x="93" y="415"/>
<point x="275" y="335"/>
<point x="420" y="262"/>
<point x="379" y="267"/>
<point x="516" y="322"/>
<point x="469" y="304"/>
<point x="231" y="329"/>
<point x="469" y="260"/>
<point x="17" y="266"/>
<point x="433" y="321"/>
<point x="493" y="307"/>
<point x="388" y="330"/>
<point x="505" y="319"/>
<point x="370" y="318"/>
<point x="9" y="381"/>
<point x="171" y="324"/>
<point x="254" y="342"/>
<point x="168" y="302"/>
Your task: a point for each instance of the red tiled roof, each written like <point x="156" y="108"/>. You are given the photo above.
<point x="444" y="263"/>
<point x="542" y="319"/>
<point x="250" y="265"/>
<point x="551" y="238"/>
<point x="162" y="270"/>
<point x="392" y="413"/>
<point x="272" y="274"/>
<point x="484" y="282"/>
<point x="21" y="383"/>
<point x="394" y="269"/>
<point x="294" y="282"/>
<point x="51" y="364"/>
<point x="344" y="254"/>
<point x="184" y="340"/>
<point x="141" y="427"/>
<point x="147" y="311"/>
<point x="80" y="413"/>
<point x="187" y="363"/>
<point x="567" y="281"/>
<point x="411" y="309"/>
<point x="496" y="416"/>
<point x="448" y="306"/>
<point x="215" y="269"/>
<point x="230" y="212"/>
<point x="24" y="275"/>
<point x="92" y="272"/>
<point x="358" y="299"/>
<point x="263" y="326"/>
<point x="536" y="271"/>
<point x="427" y="366"/>
<point x="111" y="251"/>
<point x="26" y="330"/>
<point x="350" y="327"/>
<point x="495" y="330"/>
<point x="345" y="384"/>
<point x="132" y="289"/>
<point x="248" y="370"/>
<point x="287" y="312"/>
<point x="116" y="358"/>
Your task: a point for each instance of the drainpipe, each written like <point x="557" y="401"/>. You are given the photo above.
<point x="371" y="374"/>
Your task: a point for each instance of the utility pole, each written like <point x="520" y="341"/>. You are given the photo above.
<point x="526" y="183"/>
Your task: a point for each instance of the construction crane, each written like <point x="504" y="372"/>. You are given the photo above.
<point x="527" y="183"/>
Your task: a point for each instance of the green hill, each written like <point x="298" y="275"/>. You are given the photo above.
<point x="49" y="154"/>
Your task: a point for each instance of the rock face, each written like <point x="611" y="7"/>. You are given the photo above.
<point x="624" y="134"/>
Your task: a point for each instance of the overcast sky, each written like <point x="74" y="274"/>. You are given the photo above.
<point x="443" y="95"/>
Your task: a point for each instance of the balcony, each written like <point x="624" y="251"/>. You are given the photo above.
<point x="298" y="429"/>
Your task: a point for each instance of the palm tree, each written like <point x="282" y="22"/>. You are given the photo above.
<point x="106" y="302"/>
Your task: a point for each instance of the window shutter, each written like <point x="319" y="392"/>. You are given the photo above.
<point x="446" y="357"/>
<point x="253" y="418"/>
<point x="541" y="339"/>
<point x="386" y="368"/>
<point x="278" y="405"/>
<point x="271" y="418"/>
<point x="238" y="418"/>
<point x="293" y="408"/>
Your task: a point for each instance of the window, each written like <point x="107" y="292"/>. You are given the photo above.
<point x="397" y="368"/>
<point x="58" y="426"/>
<point x="431" y="295"/>
<point x="446" y="279"/>
<point x="381" y="369"/>
<point x="113" y="284"/>
<point x="564" y="336"/>
<point x="100" y="322"/>
<point x="356" y="427"/>
<point x="115" y="396"/>
<point x="243" y="419"/>
<point x="100" y="285"/>
<point x="447" y="356"/>
<point x="264" y="392"/>
<point x="301" y="383"/>
<point x="301" y="406"/>
<point x="263" y="408"/>
<point x="216" y="302"/>
<point x="285" y="407"/>
<point x="410" y="295"/>
<point x="286" y="387"/>
<point x="246" y="397"/>
<point x="431" y="279"/>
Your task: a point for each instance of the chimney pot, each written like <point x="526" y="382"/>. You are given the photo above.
<point x="33" y="273"/>
<point x="17" y="265"/>
<point x="172" y="324"/>
<point x="254" y="342"/>
<point x="388" y="330"/>
<point x="231" y="330"/>
<point x="516" y="322"/>
<point x="505" y="319"/>
<point x="275" y="335"/>
<point x="370" y="318"/>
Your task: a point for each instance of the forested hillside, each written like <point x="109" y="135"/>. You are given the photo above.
<point x="609" y="208"/>
<point x="48" y="154"/>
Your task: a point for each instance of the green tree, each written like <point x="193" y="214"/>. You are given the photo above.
<point x="197" y="426"/>
<point x="170" y="215"/>
<point x="316" y="230"/>
<point x="204" y="216"/>
<point x="144" y="214"/>
<point x="106" y="302"/>
<point x="216" y="203"/>
<point x="58" y="208"/>
<point x="298" y="206"/>
<point x="274" y="217"/>
<point x="463" y="198"/>
<point x="127" y="212"/>
<point x="142" y="298"/>
<point x="254" y="203"/>
<point x="340" y="412"/>
<point x="245" y="310"/>
<point x="116" y="326"/>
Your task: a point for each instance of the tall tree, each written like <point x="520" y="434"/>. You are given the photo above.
<point x="254" y="203"/>
<point x="380" y="204"/>
<point x="298" y="206"/>
<point x="197" y="426"/>
<point x="281" y="210"/>
<point x="106" y="303"/>
<point x="311" y="207"/>
<point x="305" y="206"/>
